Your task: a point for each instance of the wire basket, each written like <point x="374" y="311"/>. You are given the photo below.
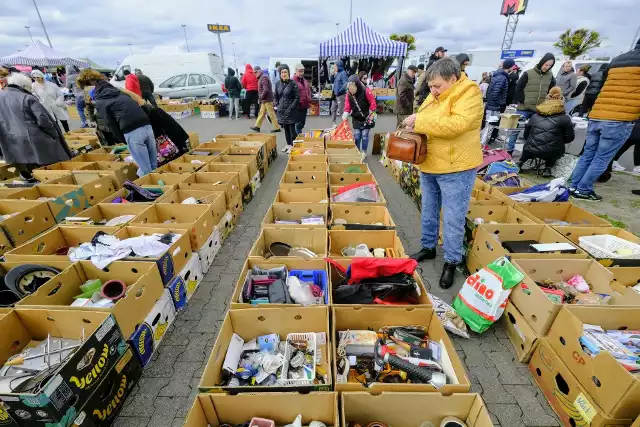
<point x="606" y="245"/>
<point x="310" y="339"/>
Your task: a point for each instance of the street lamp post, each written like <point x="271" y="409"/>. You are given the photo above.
<point x="184" y="28"/>
<point x="42" y="22"/>
<point x="233" y="47"/>
<point x="337" y="28"/>
<point x="29" y="31"/>
<point x="130" y="50"/>
<point x="350" y="12"/>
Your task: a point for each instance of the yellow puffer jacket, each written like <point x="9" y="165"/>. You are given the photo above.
<point x="452" y="124"/>
<point x="619" y="99"/>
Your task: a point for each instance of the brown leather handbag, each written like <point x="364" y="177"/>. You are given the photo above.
<point x="408" y="147"/>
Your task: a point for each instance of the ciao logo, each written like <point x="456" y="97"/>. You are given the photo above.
<point x="95" y="372"/>
<point x="477" y="283"/>
<point x="115" y="402"/>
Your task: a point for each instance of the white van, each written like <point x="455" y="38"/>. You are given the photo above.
<point x="161" y="64"/>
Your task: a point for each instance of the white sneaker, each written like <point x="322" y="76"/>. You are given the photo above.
<point x="618" y="167"/>
<point x="285" y="149"/>
<point x="636" y="170"/>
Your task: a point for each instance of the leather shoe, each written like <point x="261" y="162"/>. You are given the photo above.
<point x="448" y="272"/>
<point x="425" y="253"/>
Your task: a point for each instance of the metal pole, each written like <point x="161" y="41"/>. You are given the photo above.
<point x="350" y="11"/>
<point x="184" y="28"/>
<point x="635" y="39"/>
<point x="220" y="43"/>
<point x="42" y="22"/>
<point x="29" y="31"/>
<point x="233" y="47"/>
<point x="337" y="28"/>
<point x="130" y="50"/>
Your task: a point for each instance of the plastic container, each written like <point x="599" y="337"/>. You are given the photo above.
<point x="261" y="422"/>
<point x="310" y="338"/>
<point x="317" y="277"/>
<point x="606" y="245"/>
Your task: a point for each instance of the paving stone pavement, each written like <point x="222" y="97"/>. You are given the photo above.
<point x="170" y="383"/>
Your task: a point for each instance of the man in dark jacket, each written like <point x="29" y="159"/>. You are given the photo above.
<point x="234" y="89"/>
<point x="265" y="95"/>
<point x="146" y="87"/>
<point x="498" y="89"/>
<point x="423" y="87"/>
<point x="129" y="123"/>
<point x="596" y="81"/>
<point x="404" y="102"/>
<point x="339" y="79"/>
<point x="514" y="75"/>
<point x="304" y="91"/>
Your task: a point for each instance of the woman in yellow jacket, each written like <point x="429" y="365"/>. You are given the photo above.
<point x="450" y="117"/>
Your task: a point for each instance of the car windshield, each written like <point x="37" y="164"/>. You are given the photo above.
<point x="167" y="82"/>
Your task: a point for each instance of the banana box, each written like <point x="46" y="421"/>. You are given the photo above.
<point x="191" y="274"/>
<point x="208" y="252"/>
<point x="178" y="290"/>
<point x="147" y="337"/>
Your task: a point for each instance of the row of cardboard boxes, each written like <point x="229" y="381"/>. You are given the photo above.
<point x="156" y="289"/>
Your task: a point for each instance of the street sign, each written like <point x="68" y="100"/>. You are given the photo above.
<point x="219" y="28"/>
<point x="517" y="54"/>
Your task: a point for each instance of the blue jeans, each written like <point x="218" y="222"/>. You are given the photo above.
<point x="511" y="145"/>
<point x="301" y="121"/>
<point x="452" y="193"/>
<point x="361" y="136"/>
<point x="604" y="139"/>
<point x="142" y="146"/>
<point x="80" y="104"/>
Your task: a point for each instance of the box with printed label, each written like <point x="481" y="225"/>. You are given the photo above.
<point x="178" y="290"/>
<point x="210" y="249"/>
<point x="192" y="275"/>
<point x="148" y="335"/>
<point x="568" y="399"/>
<point x="55" y="399"/>
<point x="521" y="335"/>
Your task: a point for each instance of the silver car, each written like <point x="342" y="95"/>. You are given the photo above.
<point x="191" y="85"/>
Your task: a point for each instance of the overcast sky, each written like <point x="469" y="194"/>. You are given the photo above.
<point x="261" y="29"/>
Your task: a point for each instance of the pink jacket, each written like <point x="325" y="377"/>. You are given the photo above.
<point x="370" y="97"/>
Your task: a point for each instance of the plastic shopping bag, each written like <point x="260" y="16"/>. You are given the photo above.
<point x="342" y="132"/>
<point x="483" y="297"/>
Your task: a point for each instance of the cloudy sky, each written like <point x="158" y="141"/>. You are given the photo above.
<point x="102" y="30"/>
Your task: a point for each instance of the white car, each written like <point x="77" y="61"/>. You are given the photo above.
<point x="191" y="85"/>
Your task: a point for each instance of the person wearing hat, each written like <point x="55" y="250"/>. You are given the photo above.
<point x="234" y="89"/>
<point x="304" y="90"/>
<point x="498" y="89"/>
<point x="439" y="53"/>
<point x="404" y="101"/>
<point x="421" y="86"/>
<point x="265" y="96"/>
<point x="51" y="97"/>
<point x="514" y="75"/>
<point x="463" y="59"/>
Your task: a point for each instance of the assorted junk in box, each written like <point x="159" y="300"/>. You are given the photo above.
<point x="278" y="285"/>
<point x="574" y="290"/>
<point x="98" y="294"/>
<point x="23" y="280"/>
<point x="364" y="192"/>
<point x="623" y="345"/>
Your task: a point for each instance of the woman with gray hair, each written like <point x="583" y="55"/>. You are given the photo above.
<point x="51" y="97"/>
<point x="450" y="117"/>
<point x="29" y="135"/>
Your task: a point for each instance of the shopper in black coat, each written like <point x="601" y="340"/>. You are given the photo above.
<point x="513" y="82"/>
<point x="593" y="90"/>
<point x="547" y="132"/>
<point x="287" y="99"/>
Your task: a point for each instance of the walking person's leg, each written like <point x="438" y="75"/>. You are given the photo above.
<point x="254" y="101"/>
<point x="80" y="104"/>
<point x="236" y="103"/>
<point x="429" y="217"/>
<point x="232" y="103"/>
<point x="365" y="140"/>
<point x="137" y="144"/>
<point x="152" y="100"/>
<point x="261" y="114"/>
<point x="588" y="152"/>
<point x="302" y="121"/>
<point x="340" y="100"/>
<point x="273" y="116"/>
<point x="152" y="148"/>
<point x="334" y="110"/>
<point x="357" y="137"/>
<point x="65" y="125"/>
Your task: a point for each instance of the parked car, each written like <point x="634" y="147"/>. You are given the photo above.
<point x="195" y="85"/>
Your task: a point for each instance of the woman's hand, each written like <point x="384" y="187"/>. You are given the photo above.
<point x="410" y="121"/>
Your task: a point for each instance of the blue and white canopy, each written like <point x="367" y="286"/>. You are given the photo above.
<point x="360" y="41"/>
<point x="40" y="55"/>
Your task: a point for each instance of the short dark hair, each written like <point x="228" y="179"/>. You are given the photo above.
<point x="445" y="68"/>
<point x="420" y="66"/>
<point x="277" y="63"/>
<point x="126" y="72"/>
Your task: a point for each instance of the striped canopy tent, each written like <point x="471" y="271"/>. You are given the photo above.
<point x="40" y="55"/>
<point x="360" y="41"/>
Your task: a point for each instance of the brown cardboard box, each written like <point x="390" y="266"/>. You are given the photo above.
<point x="144" y="288"/>
<point x="386" y="239"/>
<point x="189" y="158"/>
<point x="319" y="177"/>
<point x="373" y="318"/>
<point x="250" y="324"/>
<point x="336" y="277"/>
<point x="306" y="167"/>
<point x="521" y="335"/>
<point x="283" y="408"/>
<point x="65" y="200"/>
<point x="624" y="277"/>
<point x="119" y="172"/>
<point x="334" y="189"/>
<point x="216" y="181"/>
<point x="503" y="192"/>
<point x="569" y="400"/>
<point x="105" y="212"/>
<point x="183" y="168"/>
<point x="364" y="408"/>
<point x="312" y="158"/>
<point x="95" y="187"/>
<point x="241" y="169"/>
<point x="195" y="219"/>
<point x="509" y="120"/>
<point x="305" y="148"/>
<point x="214" y="199"/>
<point x="295" y="212"/>
<point x="316" y="146"/>
<point x="250" y="161"/>
<point x="290" y="263"/>
<point x="220" y="144"/>
<point x="559" y="213"/>
<point x="45" y="247"/>
<point x="123" y="193"/>
<point x="29" y="218"/>
<point x="354" y="152"/>
<point x="350" y="178"/>
<point x="350" y="158"/>
<point x="360" y="217"/>
<point x="95" y="157"/>
<point x="69" y="166"/>
<point x="162" y="179"/>
<point x="8" y="172"/>
<point x="492" y="214"/>
<point x="46" y="176"/>
<point x="6" y="192"/>
<point x="487" y="245"/>
<point x="194" y="139"/>
<point x="574" y="234"/>
<point x="338" y="168"/>
<point x="302" y="195"/>
<point x="479" y="197"/>
<point x="314" y="239"/>
<point x="538" y="310"/>
<point x="346" y="145"/>
<point x="481" y="185"/>
<point x="610" y="385"/>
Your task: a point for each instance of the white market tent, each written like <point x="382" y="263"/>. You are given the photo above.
<point x="40" y="55"/>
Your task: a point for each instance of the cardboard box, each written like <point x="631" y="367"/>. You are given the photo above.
<point x="297" y="151"/>
<point x="561" y="213"/>
<point x="479" y="184"/>
<point x="195" y="219"/>
<point x="194" y="159"/>
<point x="610" y="385"/>
<point x="350" y="178"/>
<point x="178" y="290"/>
<point x="27" y="220"/>
<point x="357" y="168"/>
<point x="48" y="246"/>
<point x="363" y="408"/>
<point x="306" y="167"/>
<point x="290" y="263"/>
<point x="194" y="138"/>
<point x="509" y="120"/>
<point x="214" y="199"/>
<point x="94" y="156"/>
<point x="149" y="334"/>
<point x="283" y="408"/>
<point x="503" y="193"/>
<point x="213" y="244"/>
<point x="302" y="195"/>
<point x="492" y="214"/>
<point x="334" y="189"/>
<point x="386" y="239"/>
<point x="8" y="172"/>
<point x="311" y="158"/>
<point x="123" y="194"/>
<point x="241" y="169"/>
<point x="360" y="217"/>
<point x="216" y="181"/>
<point x="192" y="274"/>
<point x="314" y="239"/>
<point x="183" y="168"/>
<point x="568" y="399"/>
<point x="65" y="200"/>
<point x="78" y="377"/>
<point x="104" y="212"/>
<point x="373" y="318"/>
<point x="574" y="234"/>
<point x="521" y="335"/>
<point x="161" y="179"/>
<point x="482" y="198"/>
<point x="6" y="192"/>
<point x="118" y="172"/>
<point x="249" y="161"/>
<point x="94" y="186"/>
<point x="487" y="246"/>
<point x="624" y="277"/>
<point x="69" y="166"/>
<point x="250" y="324"/>
<point x="295" y="212"/>
<point x="143" y="282"/>
<point x="301" y="177"/>
<point x="538" y="310"/>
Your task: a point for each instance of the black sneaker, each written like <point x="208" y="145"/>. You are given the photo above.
<point x="424" y="254"/>
<point x="448" y="274"/>
<point x="636" y="192"/>
<point x="255" y="129"/>
<point x="587" y="196"/>
<point x="275" y="130"/>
